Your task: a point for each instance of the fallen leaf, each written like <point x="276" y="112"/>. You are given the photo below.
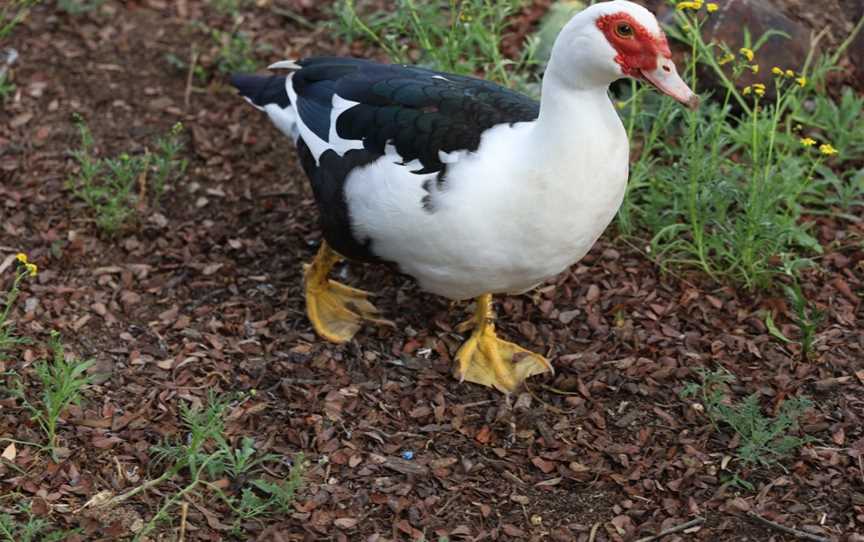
<point x="10" y="452"/>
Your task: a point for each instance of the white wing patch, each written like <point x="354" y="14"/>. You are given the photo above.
<point x="285" y="119"/>
<point x="318" y="146"/>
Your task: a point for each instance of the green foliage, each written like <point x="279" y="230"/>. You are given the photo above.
<point x="12" y="13"/>
<point x="459" y="37"/>
<point x="234" y="51"/>
<point x="79" y="7"/>
<point x="8" y="339"/>
<point x="32" y="530"/>
<point x="7" y="87"/>
<point x="727" y="194"/>
<point x="108" y="185"/>
<point x="229" y="7"/>
<point x="62" y="381"/>
<point x="806" y="318"/>
<point x="206" y="455"/>
<point x="763" y="440"/>
<point x="181" y="65"/>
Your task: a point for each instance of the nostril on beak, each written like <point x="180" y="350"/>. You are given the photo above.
<point x="666" y="68"/>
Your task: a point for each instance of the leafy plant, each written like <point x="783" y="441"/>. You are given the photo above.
<point x="7" y="87"/>
<point x="727" y="194"/>
<point x="229" y="7"/>
<point x="32" y="530"/>
<point x="806" y="318"/>
<point x="459" y="37"/>
<point x="62" y="382"/>
<point x="181" y="65"/>
<point x="763" y="440"/>
<point x="79" y="7"/>
<point x="107" y="185"/>
<point x="205" y="455"/>
<point x="12" y="13"/>
<point x="234" y="51"/>
<point x="8" y="339"/>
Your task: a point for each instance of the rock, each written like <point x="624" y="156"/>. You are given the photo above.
<point x="735" y="17"/>
<point x="558" y="15"/>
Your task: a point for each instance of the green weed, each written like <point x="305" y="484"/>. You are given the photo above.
<point x="204" y="454"/>
<point x="234" y="51"/>
<point x="12" y="13"/>
<point x="229" y="7"/>
<point x="79" y="7"/>
<point x="108" y="185"/>
<point x="181" y="65"/>
<point x="7" y="87"/>
<point x="807" y="319"/>
<point x="25" y="270"/>
<point x="763" y="440"/>
<point x="62" y="381"/>
<point x="459" y="37"/>
<point x="33" y="529"/>
<point x="726" y="193"/>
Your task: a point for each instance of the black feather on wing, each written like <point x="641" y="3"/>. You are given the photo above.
<point x="419" y="111"/>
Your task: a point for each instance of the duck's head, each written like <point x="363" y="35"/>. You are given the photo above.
<point x="611" y="40"/>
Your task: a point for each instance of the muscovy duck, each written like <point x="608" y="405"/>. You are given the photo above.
<point x="469" y="187"/>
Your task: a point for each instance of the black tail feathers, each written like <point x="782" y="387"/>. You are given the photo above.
<point x="262" y="89"/>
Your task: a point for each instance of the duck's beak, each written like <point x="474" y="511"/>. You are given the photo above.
<point x="665" y="77"/>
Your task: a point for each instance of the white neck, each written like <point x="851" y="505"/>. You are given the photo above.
<point x="573" y="120"/>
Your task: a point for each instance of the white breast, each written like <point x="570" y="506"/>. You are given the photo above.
<point x="503" y="220"/>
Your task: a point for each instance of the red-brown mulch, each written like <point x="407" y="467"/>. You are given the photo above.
<point x="204" y="294"/>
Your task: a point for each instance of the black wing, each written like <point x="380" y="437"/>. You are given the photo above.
<point x="419" y="111"/>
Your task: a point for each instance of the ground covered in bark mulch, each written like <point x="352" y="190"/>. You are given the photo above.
<point x="203" y="294"/>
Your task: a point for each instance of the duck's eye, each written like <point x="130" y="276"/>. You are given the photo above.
<point x="624" y="30"/>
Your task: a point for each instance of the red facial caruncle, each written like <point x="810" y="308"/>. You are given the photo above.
<point x="638" y="49"/>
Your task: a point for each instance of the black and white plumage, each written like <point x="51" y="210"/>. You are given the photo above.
<point x="422" y="114"/>
<point x="467" y="186"/>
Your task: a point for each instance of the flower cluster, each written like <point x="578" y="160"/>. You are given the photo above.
<point x="756" y="88"/>
<point x="696" y="5"/>
<point x="31" y="268"/>
<point x="826" y="149"/>
<point x="801" y="80"/>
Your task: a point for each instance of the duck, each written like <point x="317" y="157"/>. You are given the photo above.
<point x="471" y="188"/>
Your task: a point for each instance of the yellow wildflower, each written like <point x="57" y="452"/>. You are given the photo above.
<point x="25" y="261"/>
<point x="747" y="90"/>
<point x="802" y="81"/>
<point x="754" y="68"/>
<point x="726" y="59"/>
<point x="712" y="7"/>
<point x="689" y="5"/>
<point x="776" y="71"/>
<point x="827" y="149"/>
<point x="789" y="73"/>
<point x="759" y="89"/>
<point x="808" y="141"/>
<point x="747" y="53"/>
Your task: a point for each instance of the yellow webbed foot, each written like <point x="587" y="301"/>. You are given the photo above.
<point x="485" y="359"/>
<point x="336" y="311"/>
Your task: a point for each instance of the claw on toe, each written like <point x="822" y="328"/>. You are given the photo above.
<point x="485" y="359"/>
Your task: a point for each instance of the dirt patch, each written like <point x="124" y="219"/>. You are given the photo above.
<point x="204" y="294"/>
